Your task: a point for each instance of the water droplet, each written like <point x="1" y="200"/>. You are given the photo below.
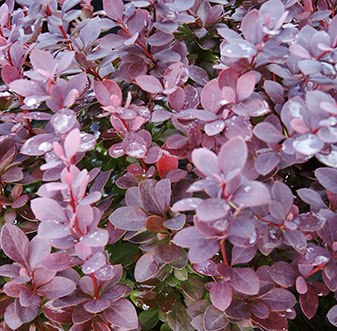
<point x="31" y="102"/>
<point x="136" y="150"/>
<point x="88" y="142"/>
<point x="308" y="144"/>
<point x="45" y="146"/>
<point x="63" y="122"/>
<point x="247" y="189"/>
<point x="321" y="260"/>
<point x="272" y="234"/>
<point x="252" y="239"/>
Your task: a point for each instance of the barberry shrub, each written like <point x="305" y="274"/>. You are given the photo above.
<point x="168" y="165"/>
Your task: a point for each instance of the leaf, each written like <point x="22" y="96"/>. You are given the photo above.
<point x="124" y="253"/>
<point x="212" y="209"/>
<point x="268" y="133"/>
<point x="282" y="273"/>
<point x="149" y="319"/>
<point x="46" y="209"/>
<point x="72" y="143"/>
<point x="233" y="165"/>
<point x="59" y="262"/>
<point x="242" y="254"/>
<point x="149" y="84"/>
<point x="178" y="319"/>
<point x="211" y="96"/>
<point x="193" y="288"/>
<point x="214" y="319"/>
<point x="245" y="85"/>
<point x="15" y="243"/>
<point x="332" y="315"/>
<point x="201" y="248"/>
<point x="114" y="9"/>
<point x="128" y="218"/>
<point x="279" y="299"/>
<point x="251" y="194"/>
<point x="221" y="295"/>
<point x="245" y="280"/>
<point x="327" y="177"/>
<point x="122" y="314"/>
<point x="209" y="168"/>
<point x="146" y="268"/>
<point x="57" y="288"/>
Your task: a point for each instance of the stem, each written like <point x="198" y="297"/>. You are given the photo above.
<point x="313" y="271"/>
<point x="96" y="290"/>
<point x="223" y="251"/>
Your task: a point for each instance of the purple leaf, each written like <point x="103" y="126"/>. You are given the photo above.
<point x="245" y="85"/>
<point x="221" y="295"/>
<point x="211" y="168"/>
<point x="242" y="254"/>
<point x="245" y="280"/>
<point x="279" y="299"/>
<point x="122" y="314"/>
<point x="128" y="218"/>
<point x="201" y="248"/>
<point x="149" y="84"/>
<point x="15" y="243"/>
<point x="212" y="209"/>
<point x="214" y="319"/>
<point x="46" y="209"/>
<point x="57" y="288"/>
<point x="146" y="268"/>
<point x="251" y="194"/>
<point x="327" y="177"/>
<point x="114" y="9"/>
<point x="59" y="261"/>
<point x="232" y="166"/>
<point x="211" y="96"/>
<point x="268" y="133"/>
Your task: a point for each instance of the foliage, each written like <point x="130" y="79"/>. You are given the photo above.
<point x="168" y="165"/>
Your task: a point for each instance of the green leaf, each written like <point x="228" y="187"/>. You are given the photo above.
<point x="149" y="319"/>
<point x="123" y="253"/>
<point x="165" y="327"/>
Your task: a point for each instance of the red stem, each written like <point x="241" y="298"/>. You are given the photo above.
<point x="96" y="290"/>
<point x="313" y="271"/>
<point x="223" y="251"/>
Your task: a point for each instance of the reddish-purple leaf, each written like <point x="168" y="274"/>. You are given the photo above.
<point x="57" y="288"/>
<point x="146" y="268"/>
<point x="221" y="295"/>
<point x="149" y="84"/>
<point x="114" y="9"/>
<point x="245" y="280"/>
<point x="15" y="243"/>
<point x="128" y="218"/>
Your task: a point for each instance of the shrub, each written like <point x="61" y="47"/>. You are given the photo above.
<point x="168" y="165"/>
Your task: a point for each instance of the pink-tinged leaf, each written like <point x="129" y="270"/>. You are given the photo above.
<point x="201" y="248"/>
<point x="26" y="314"/>
<point x="266" y="162"/>
<point x="245" y="280"/>
<point x="96" y="238"/>
<point x="178" y="319"/>
<point x="14" y="243"/>
<point x="11" y="317"/>
<point x="12" y="175"/>
<point x="212" y="209"/>
<point x="211" y="96"/>
<point x="279" y="299"/>
<point x="80" y="315"/>
<point x="332" y="315"/>
<point x="251" y="194"/>
<point x="96" y="262"/>
<point x="149" y="84"/>
<point x="268" y="133"/>
<point x="72" y="143"/>
<point x="122" y="314"/>
<point x="97" y="306"/>
<point x="57" y="288"/>
<point x="128" y="218"/>
<point x="275" y="322"/>
<point x="245" y="85"/>
<point x="46" y="209"/>
<point x="10" y="270"/>
<point x="28" y="298"/>
<point x="58" y="315"/>
<point x="114" y="9"/>
<point x="260" y="310"/>
<point x="38" y="250"/>
<point x="211" y="167"/>
<point x="242" y="232"/>
<point x="232" y="166"/>
<point x="59" y="262"/>
<point x="105" y="90"/>
<point x="52" y="230"/>
<point x="38" y="145"/>
<point x="327" y="177"/>
<point x="295" y="239"/>
<point x="25" y="87"/>
<point x="162" y="191"/>
<point x="221" y="295"/>
<point x="146" y="268"/>
<point x="9" y="74"/>
<point x="186" y="204"/>
<point x="214" y="319"/>
<point x="301" y="285"/>
<point x="309" y="304"/>
<point x="282" y="273"/>
<point x="42" y="276"/>
<point x="242" y="254"/>
<point x="43" y="62"/>
<point x="193" y="288"/>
